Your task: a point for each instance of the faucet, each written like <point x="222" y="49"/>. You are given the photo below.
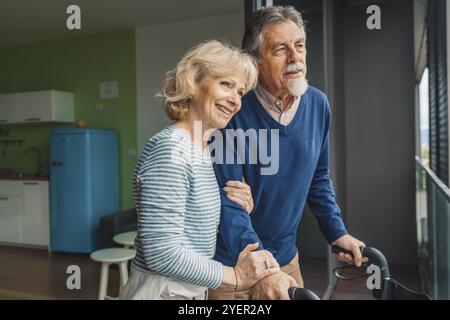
<point x="42" y="170"/>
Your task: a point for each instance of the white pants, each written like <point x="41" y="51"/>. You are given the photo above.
<point x="146" y="286"/>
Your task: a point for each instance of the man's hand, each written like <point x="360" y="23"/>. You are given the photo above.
<point x="274" y="287"/>
<point x="350" y="243"/>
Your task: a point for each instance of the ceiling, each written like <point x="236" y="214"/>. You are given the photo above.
<point x="25" y="21"/>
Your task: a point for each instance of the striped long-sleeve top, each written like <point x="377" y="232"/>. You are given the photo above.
<point x="178" y="206"/>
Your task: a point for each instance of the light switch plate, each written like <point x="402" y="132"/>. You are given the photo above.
<point x="109" y="90"/>
<point x="132" y="152"/>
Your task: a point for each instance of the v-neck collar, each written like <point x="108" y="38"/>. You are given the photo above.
<point x="284" y="129"/>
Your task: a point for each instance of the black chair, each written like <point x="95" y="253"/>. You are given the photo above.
<point x="116" y="223"/>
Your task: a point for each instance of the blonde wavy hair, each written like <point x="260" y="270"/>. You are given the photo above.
<point x="211" y="58"/>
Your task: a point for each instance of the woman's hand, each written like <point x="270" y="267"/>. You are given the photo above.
<point x="240" y="192"/>
<point x="253" y="265"/>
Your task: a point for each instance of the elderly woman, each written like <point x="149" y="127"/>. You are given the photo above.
<point x="176" y="192"/>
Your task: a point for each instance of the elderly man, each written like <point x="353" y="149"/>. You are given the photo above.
<point x="283" y="101"/>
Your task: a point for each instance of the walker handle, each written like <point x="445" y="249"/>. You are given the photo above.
<point x="296" y="293"/>
<point x="374" y="256"/>
<point x="336" y="249"/>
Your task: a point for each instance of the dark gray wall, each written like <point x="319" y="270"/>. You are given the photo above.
<point x="370" y="84"/>
<point x="379" y="129"/>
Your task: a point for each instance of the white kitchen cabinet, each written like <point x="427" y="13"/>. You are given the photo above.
<point x="24" y="212"/>
<point x="34" y="218"/>
<point x="10" y="187"/>
<point x="36" y="106"/>
<point x="45" y="106"/>
<point x="10" y="219"/>
<point x="9" y="112"/>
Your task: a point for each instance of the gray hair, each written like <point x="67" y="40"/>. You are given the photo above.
<point x="257" y="23"/>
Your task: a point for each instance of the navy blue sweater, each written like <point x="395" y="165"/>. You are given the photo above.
<point x="302" y="175"/>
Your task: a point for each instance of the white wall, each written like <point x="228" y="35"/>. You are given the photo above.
<point x="158" y="49"/>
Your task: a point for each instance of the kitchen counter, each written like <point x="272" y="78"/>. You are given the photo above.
<point x="25" y="177"/>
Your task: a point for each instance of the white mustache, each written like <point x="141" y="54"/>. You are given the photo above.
<point x="294" y="67"/>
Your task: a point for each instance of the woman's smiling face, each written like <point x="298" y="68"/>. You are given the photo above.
<point x="217" y="100"/>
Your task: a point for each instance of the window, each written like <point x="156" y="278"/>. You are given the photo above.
<point x="438" y="104"/>
<point x="424" y="126"/>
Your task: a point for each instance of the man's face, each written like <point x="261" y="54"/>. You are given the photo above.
<point x="283" y="44"/>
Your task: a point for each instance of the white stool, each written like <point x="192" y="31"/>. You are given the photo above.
<point x="126" y="239"/>
<point x="110" y="256"/>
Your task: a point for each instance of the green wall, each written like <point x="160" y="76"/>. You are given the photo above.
<point x="76" y="65"/>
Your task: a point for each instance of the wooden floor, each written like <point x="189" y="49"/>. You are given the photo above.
<point x="36" y="274"/>
<point x="314" y="273"/>
<point x="356" y="289"/>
